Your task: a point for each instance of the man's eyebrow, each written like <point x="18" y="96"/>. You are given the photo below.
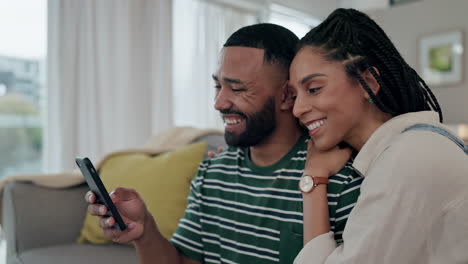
<point x="231" y="80"/>
<point x="227" y="79"/>
<point x="311" y="76"/>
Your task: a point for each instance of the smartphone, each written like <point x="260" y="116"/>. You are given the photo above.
<point x="97" y="187"/>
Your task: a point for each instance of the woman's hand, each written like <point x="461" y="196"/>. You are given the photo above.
<point x="212" y="154"/>
<point x="325" y="163"/>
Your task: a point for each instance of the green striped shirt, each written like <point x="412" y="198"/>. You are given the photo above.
<point x="241" y="213"/>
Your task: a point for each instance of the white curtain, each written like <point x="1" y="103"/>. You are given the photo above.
<point x="109" y="76"/>
<point x="201" y="28"/>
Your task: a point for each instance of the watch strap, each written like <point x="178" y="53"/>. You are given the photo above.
<point x="307" y="183"/>
<point x="320" y="180"/>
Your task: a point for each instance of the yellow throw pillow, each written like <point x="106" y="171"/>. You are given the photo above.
<point x="162" y="181"/>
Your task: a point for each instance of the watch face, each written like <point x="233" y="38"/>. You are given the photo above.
<point x="306" y="183"/>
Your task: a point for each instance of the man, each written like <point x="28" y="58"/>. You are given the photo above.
<point x="244" y="205"/>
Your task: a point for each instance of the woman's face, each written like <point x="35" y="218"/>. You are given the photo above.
<point x="328" y="102"/>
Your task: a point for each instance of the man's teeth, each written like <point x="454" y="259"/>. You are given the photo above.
<point x="232" y="121"/>
<point x="316" y="124"/>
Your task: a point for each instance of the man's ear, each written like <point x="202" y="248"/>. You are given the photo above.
<point x="371" y="81"/>
<point x="287" y="103"/>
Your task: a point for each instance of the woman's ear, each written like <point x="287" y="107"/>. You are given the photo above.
<point x="371" y="81"/>
<point x="287" y="102"/>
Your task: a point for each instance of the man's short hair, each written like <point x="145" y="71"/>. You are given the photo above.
<point x="278" y="42"/>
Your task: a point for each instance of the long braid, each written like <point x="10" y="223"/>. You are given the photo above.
<point x="386" y="52"/>
<point x="354" y="67"/>
<point x="376" y="99"/>
<point x="391" y="58"/>
<point x="351" y="36"/>
<point x="432" y="100"/>
<point x="389" y="95"/>
<point x="427" y="98"/>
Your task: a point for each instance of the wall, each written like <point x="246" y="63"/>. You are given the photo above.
<point x="363" y="4"/>
<point x="317" y="8"/>
<point x="406" y="23"/>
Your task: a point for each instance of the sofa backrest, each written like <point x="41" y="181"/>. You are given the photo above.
<point x="213" y="140"/>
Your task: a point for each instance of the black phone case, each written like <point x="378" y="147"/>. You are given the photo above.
<point x="102" y="196"/>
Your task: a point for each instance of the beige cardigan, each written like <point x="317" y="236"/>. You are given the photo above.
<point x="413" y="206"/>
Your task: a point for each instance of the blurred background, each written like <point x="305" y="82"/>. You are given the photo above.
<point x="88" y="77"/>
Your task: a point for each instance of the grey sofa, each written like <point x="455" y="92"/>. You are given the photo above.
<point x="42" y="225"/>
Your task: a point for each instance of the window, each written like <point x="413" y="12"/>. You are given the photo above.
<point x="205" y="25"/>
<point x="23" y="26"/>
<point x="298" y="22"/>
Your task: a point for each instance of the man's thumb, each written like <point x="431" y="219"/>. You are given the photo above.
<point x="123" y="194"/>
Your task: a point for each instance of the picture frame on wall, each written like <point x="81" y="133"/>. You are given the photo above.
<point x="441" y="58"/>
<point x="399" y="2"/>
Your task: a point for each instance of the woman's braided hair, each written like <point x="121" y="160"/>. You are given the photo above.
<point x="352" y="37"/>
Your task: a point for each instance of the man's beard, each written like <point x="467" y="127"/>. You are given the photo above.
<point x="258" y="126"/>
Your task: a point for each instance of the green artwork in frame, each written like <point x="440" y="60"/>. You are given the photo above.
<point x="441" y="58"/>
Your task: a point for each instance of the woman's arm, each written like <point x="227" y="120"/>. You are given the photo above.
<point x="315" y="203"/>
<point x="316" y="218"/>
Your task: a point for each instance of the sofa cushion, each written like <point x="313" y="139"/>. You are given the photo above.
<point x="78" y="254"/>
<point x="162" y="181"/>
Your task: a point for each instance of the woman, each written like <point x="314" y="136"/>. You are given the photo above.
<point x="351" y="85"/>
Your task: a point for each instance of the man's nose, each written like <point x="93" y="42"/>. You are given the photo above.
<point x="223" y="99"/>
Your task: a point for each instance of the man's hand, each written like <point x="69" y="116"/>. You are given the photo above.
<point x="325" y="163"/>
<point x="132" y="209"/>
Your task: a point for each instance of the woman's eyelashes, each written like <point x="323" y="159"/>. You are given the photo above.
<point x="310" y="91"/>
<point x="313" y="90"/>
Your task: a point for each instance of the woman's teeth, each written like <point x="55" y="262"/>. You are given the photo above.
<point x="316" y="124"/>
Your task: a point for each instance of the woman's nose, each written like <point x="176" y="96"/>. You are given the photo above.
<point x="300" y="107"/>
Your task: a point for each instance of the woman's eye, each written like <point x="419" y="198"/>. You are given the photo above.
<point x="293" y="97"/>
<point x="314" y="90"/>
<point x="217" y="86"/>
